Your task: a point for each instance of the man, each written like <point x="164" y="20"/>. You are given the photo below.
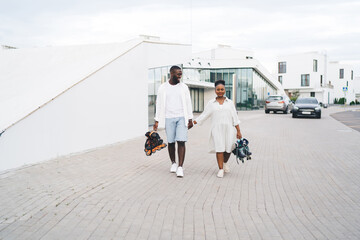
<point x="173" y="104"/>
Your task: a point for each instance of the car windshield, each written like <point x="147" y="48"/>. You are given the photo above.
<point x="275" y="98"/>
<point x="307" y="100"/>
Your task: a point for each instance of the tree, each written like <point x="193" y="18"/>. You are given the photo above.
<point x="294" y="95"/>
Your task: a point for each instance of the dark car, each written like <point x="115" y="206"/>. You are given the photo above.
<point x="306" y="107"/>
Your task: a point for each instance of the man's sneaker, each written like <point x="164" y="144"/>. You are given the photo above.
<point x="174" y="167"/>
<point x="180" y="172"/>
<point x="226" y="168"/>
<point x="220" y="173"/>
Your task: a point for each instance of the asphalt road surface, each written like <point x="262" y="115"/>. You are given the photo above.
<point x="349" y="118"/>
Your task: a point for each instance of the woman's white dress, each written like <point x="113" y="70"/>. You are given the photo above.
<point x="223" y="121"/>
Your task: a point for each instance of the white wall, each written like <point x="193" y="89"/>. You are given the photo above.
<point x="299" y="64"/>
<point x="356" y="85"/>
<point x="208" y="95"/>
<point x="108" y="107"/>
<point x="97" y="112"/>
<point x="334" y="77"/>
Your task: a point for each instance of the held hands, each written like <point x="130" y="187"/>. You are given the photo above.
<point x="190" y="124"/>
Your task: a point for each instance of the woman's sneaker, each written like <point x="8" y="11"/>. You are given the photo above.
<point x="173" y="168"/>
<point x="226" y="168"/>
<point x="179" y="172"/>
<point x="220" y="173"/>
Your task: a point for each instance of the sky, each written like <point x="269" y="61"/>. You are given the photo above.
<point x="268" y="28"/>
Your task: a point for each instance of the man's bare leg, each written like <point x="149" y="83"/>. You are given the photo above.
<point x="181" y="153"/>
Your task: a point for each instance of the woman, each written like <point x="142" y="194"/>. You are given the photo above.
<point x="224" y="126"/>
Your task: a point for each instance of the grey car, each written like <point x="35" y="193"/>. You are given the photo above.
<point x="278" y="103"/>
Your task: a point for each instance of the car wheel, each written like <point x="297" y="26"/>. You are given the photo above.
<point x="267" y="111"/>
<point x="286" y="111"/>
<point x="318" y="116"/>
<point x="294" y="115"/>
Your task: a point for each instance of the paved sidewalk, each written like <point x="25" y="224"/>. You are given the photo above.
<point x="303" y="183"/>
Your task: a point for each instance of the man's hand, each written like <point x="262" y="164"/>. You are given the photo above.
<point x="155" y="127"/>
<point x="190" y="124"/>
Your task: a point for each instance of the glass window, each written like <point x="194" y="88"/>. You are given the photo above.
<point x="282" y="67"/>
<point x="307" y="100"/>
<point x="280" y="79"/>
<point x="212" y="76"/>
<point x="151" y="96"/>
<point x="188" y="74"/>
<point x="341" y="73"/>
<point x="352" y="74"/>
<point x="164" y="74"/>
<point x="226" y="77"/>
<point x="219" y="74"/>
<point x="312" y="94"/>
<point x="305" y="80"/>
<point x="275" y="98"/>
<point x="321" y="80"/>
<point x="315" y="65"/>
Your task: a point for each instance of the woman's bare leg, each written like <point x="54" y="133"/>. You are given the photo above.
<point x="226" y="157"/>
<point x="220" y="159"/>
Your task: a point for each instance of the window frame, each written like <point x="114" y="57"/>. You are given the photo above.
<point x="341" y="73"/>
<point x="315" y="65"/>
<point x="307" y="79"/>
<point x="281" y="67"/>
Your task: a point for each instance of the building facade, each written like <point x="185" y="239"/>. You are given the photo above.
<point x="247" y="83"/>
<point x="311" y="75"/>
<point x="342" y="77"/>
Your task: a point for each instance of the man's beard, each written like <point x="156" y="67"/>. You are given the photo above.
<point x="175" y="80"/>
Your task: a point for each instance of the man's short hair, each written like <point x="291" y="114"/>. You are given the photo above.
<point x="217" y="82"/>
<point x="173" y="68"/>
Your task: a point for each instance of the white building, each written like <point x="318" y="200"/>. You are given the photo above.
<point x="357" y="88"/>
<point x="342" y="77"/>
<point x="311" y="75"/>
<point x="306" y="75"/>
<point x="60" y="100"/>
<point x="248" y="83"/>
<point x="57" y="101"/>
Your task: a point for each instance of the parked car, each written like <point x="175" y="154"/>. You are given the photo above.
<point x="306" y="107"/>
<point x="278" y="103"/>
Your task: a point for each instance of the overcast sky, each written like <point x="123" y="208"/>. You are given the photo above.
<point x="269" y="28"/>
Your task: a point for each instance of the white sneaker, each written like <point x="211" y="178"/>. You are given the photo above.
<point x="220" y="173"/>
<point x="173" y="168"/>
<point x="226" y="168"/>
<point x="179" y="172"/>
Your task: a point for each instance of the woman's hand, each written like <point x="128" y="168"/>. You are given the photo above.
<point x="238" y="135"/>
<point x="195" y="122"/>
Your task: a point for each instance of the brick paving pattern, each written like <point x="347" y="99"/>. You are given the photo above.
<point x="303" y="183"/>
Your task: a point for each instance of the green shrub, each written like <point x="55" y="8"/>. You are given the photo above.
<point x="357" y="102"/>
<point x="335" y="101"/>
<point x="352" y="103"/>
<point x="342" y="101"/>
